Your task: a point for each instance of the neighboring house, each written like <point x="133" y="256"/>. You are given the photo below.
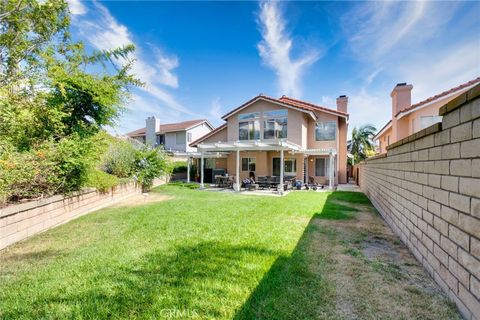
<point x="408" y="119"/>
<point x="175" y="137"/>
<point x="265" y="132"/>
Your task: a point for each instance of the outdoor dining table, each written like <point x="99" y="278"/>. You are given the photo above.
<point x="222" y="181"/>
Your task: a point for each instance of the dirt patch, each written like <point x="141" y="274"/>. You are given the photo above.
<point x="141" y="199"/>
<point x="373" y="273"/>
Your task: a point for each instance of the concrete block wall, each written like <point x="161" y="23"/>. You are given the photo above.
<point x="20" y="221"/>
<point x="427" y="188"/>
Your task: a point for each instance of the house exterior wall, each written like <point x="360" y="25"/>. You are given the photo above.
<point x="403" y="126"/>
<point x="196" y="133"/>
<point x="427" y="188"/>
<point x="301" y="131"/>
<point x="217" y="136"/>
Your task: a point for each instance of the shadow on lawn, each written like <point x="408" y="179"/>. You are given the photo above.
<point x="161" y="282"/>
<point x="294" y="287"/>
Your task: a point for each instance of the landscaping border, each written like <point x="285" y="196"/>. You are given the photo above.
<point x="20" y="221"/>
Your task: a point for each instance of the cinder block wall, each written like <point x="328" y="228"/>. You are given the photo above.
<point x="427" y="188"/>
<point x="20" y="221"/>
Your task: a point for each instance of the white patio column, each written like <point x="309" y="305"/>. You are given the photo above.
<point x="330" y="173"/>
<point x="201" y="172"/>
<point x="306" y="170"/>
<point x="188" y="169"/>
<point x="237" y="176"/>
<point x="282" y="167"/>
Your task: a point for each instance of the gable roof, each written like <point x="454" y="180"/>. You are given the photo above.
<point x="458" y="89"/>
<point x="382" y="131"/>
<point x="172" y="127"/>
<point x="208" y="135"/>
<point x="289" y="103"/>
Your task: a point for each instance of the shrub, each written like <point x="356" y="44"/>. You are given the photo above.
<point x="102" y="181"/>
<point x="179" y="167"/>
<point x="151" y="164"/>
<point x="119" y="159"/>
<point x="53" y="167"/>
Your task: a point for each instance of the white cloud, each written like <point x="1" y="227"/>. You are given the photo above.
<point x="276" y="50"/>
<point x="414" y="42"/>
<point x="156" y="70"/>
<point x="215" y="109"/>
<point x="76" y="7"/>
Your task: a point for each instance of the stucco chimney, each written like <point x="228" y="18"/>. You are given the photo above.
<point x="401" y="97"/>
<point x="152" y="126"/>
<point x="342" y="102"/>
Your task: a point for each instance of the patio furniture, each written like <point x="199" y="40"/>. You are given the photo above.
<point x="249" y="185"/>
<point x="262" y="182"/>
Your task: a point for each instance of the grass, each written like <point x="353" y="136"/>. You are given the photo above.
<point x="206" y="255"/>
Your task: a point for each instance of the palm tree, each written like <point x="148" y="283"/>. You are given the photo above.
<point x="361" y="142"/>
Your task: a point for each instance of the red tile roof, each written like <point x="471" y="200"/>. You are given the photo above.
<point x="171" y="127"/>
<point x="299" y="104"/>
<point x="441" y="95"/>
<point x="208" y="135"/>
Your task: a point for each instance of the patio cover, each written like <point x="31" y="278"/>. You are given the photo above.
<point x="221" y="149"/>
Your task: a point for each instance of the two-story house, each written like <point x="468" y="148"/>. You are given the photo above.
<point x="279" y="137"/>
<point x="175" y="137"/>
<point x="408" y="118"/>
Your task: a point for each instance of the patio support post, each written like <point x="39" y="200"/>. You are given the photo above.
<point x="201" y="172"/>
<point x="237" y="173"/>
<point x="282" y="167"/>
<point x="330" y="173"/>
<point x="306" y="170"/>
<point x="188" y="169"/>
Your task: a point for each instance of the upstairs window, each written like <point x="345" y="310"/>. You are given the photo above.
<point x="275" y="124"/>
<point x="189" y="137"/>
<point x="427" y="121"/>
<point x="249" y="126"/>
<point x="325" y="131"/>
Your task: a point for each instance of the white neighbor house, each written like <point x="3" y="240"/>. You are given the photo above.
<point x="175" y="137"/>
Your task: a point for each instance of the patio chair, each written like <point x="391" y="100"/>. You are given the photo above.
<point x="262" y="182"/>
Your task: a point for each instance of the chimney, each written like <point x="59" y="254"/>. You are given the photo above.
<point x="401" y="97"/>
<point x="152" y="126"/>
<point x="342" y="102"/>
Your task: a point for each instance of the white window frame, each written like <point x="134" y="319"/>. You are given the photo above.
<point x="274" y="118"/>
<point x="334" y="135"/>
<point x="326" y="166"/>
<point x="189" y="137"/>
<point x="251" y="122"/>
<point x="284" y="162"/>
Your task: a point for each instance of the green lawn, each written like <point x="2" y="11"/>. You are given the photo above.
<point x="203" y="255"/>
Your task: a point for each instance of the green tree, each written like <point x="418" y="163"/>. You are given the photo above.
<point x="362" y="143"/>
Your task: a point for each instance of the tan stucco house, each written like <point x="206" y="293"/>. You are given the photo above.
<point x="408" y="118"/>
<point x="281" y="137"/>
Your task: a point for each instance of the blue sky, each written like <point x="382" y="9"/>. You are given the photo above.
<point x="202" y="59"/>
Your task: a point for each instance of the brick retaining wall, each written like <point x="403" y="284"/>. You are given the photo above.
<point x="21" y="221"/>
<point x="427" y="188"/>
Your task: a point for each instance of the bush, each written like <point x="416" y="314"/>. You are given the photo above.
<point x="179" y="167"/>
<point x="53" y="167"/>
<point x="120" y="159"/>
<point x="151" y="164"/>
<point x="102" y="181"/>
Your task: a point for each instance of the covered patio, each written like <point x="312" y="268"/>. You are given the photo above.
<point x="282" y="147"/>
